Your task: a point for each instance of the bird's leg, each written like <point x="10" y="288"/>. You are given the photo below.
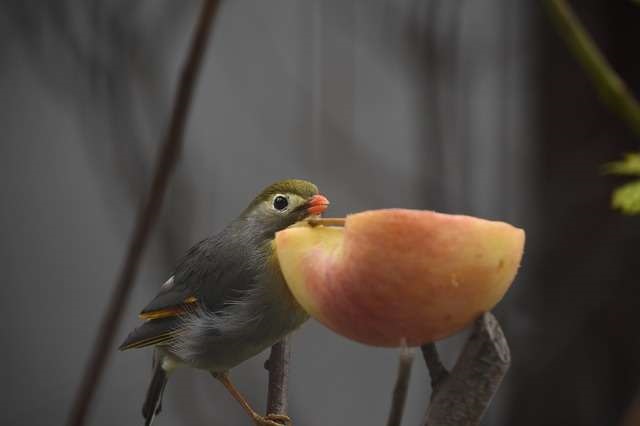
<point x="328" y="221"/>
<point x="268" y="420"/>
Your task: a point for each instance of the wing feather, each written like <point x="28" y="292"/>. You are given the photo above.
<point x="170" y="311"/>
<point x="152" y="332"/>
<point x="211" y="275"/>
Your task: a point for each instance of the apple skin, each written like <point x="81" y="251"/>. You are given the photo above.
<point x="399" y="276"/>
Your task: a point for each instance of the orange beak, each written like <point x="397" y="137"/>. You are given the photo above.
<point x="317" y="204"/>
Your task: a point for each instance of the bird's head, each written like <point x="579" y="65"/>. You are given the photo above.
<point x="284" y="203"/>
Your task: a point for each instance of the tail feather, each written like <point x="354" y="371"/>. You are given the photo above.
<point x="153" y="402"/>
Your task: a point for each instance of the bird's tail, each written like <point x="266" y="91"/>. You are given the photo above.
<point x="153" y="402"/>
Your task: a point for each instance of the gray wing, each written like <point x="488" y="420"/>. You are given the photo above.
<point x="212" y="273"/>
<point x="171" y="300"/>
<point x="152" y="332"/>
<point x="181" y="291"/>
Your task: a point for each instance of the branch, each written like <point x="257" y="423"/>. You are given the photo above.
<point x="437" y="370"/>
<point x="401" y="387"/>
<point x="464" y="395"/>
<point x="146" y="218"/>
<point x="610" y="86"/>
<point x="278" y="367"/>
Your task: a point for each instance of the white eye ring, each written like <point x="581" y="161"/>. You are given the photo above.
<point x="280" y="203"/>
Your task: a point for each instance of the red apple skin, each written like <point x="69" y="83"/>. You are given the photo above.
<point x="396" y="275"/>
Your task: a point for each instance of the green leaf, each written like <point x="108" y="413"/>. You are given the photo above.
<point x="627" y="198"/>
<point x="629" y="166"/>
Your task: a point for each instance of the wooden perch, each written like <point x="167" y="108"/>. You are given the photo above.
<point x="278" y="367"/>
<point x="462" y="397"/>
<point x="437" y="370"/>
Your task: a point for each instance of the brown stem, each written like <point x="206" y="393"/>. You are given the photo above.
<point x="611" y="87"/>
<point x="146" y="218"/>
<point x="463" y="397"/>
<point x="401" y="387"/>
<point x="278" y="367"/>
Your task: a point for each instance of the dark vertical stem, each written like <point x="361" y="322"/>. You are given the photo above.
<point x="146" y="218"/>
<point x="401" y="387"/>
<point x="278" y="367"/>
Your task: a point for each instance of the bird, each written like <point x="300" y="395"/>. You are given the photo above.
<point x="227" y="299"/>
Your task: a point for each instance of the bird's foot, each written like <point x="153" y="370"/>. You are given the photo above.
<point x="273" y="420"/>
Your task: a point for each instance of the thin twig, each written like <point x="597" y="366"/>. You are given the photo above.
<point x="611" y="87"/>
<point x="401" y="387"/>
<point x="146" y="218"/>
<point x="437" y="370"/>
<point x="327" y="221"/>
<point x="278" y="367"/>
<point x="463" y="397"/>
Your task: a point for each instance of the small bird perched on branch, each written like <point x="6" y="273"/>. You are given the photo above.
<point x="227" y="299"/>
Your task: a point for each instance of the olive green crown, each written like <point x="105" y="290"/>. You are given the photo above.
<point x="299" y="187"/>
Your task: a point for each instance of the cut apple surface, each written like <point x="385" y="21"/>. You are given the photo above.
<point x="396" y="275"/>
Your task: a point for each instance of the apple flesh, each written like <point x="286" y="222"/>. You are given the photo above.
<point x="398" y="276"/>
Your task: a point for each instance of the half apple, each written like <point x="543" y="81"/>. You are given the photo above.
<point x="396" y="275"/>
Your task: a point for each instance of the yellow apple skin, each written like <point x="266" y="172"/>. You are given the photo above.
<point x="396" y="275"/>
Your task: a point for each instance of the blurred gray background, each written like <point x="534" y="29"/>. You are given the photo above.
<point x="462" y="106"/>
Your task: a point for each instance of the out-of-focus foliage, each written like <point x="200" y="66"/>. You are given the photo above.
<point x="613" y="91"/>
<point x="627" y="197"/>
<point x="630" y="166"/>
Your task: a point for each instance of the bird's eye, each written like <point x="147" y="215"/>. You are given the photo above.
<point x="280" y="202"/>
